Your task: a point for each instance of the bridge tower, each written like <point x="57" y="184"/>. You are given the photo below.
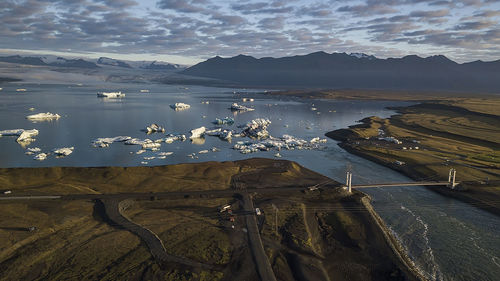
<point x="451" y="178"/>
<point x="348" y="180"/>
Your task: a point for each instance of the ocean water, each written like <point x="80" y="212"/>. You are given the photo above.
<point x="446" y="239"/>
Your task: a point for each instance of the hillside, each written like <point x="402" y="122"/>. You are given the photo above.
<point x="341" y="70"/>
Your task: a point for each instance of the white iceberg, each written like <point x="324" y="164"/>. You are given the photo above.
<point x="64" y="151"/>
<point x="105" y="142"/>
<point x="110" y="95"/>
<point x="40" y="156"/>
<point x="174" y="137"/>
<point x="15" y="132"/>
<point x="165" y="153"/>
<point x="197" y="133"/>
<point x="32" y="150"/>
<point x="151" y="145"/>
<point x="203" y="151"/>
<point x="27" y="135"/>
<point x="24" y="135"/>
<point x="43" y="116"/>
<point x="144" y="91"/>
<point x="154" y="128"/>
<point x="257" y="128"/>
<point x="180" y="106"/>
<point x="238" y="107"/>
<point x="223" y="121"/>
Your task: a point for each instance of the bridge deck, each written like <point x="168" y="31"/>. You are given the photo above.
<point x="399" y="184"/>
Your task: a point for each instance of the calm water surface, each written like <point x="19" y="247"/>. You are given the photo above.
<point x="447" y="239"/>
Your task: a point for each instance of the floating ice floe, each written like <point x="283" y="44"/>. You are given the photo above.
<point x="154" y="128"/>
<point x="223" y="121"/>
<point x="27" y="135"/>
<point x="203" y="151"/>
<point x="32" y="109"/>
<point x="205" y="102"/>
<point x="318" y="140"/>
<point x="197" y="133"/>
<point x="32" y="150"/>
<point x="144" y="162"/>
<point x="175" y="137"/>
<point x="247" y="99"/>
<point x="105" y="142"/>
<point x="277" y="154"/>
<point x="21" y="90"/>
<point x="144" y="91"/>
<point x="140" y="151"/>
<point x="64" y="151"/>
<point x="40" y="156"/>
<point x="111" y="95"/>
<point x="180" y="106"/>
<point x="15" y="132"/>
<point x="286" y="142"/>
<point x="43" y="116"/>
<point x="257" y="128"/>
<point x="237" y="107"/>
<point x="168" y="153"/>
<point x="151" y="146"/>
<point x="149" y="158"/>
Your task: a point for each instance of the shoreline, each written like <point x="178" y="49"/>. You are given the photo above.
<point x="361" y="140"/>
<point x="395" y="245"/>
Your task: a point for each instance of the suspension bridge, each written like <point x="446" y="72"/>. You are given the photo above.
<point x="450" y="183"/>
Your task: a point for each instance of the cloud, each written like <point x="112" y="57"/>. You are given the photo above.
<point x="203" y="28"/>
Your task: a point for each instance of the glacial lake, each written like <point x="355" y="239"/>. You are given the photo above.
<point x="447" y="239"/>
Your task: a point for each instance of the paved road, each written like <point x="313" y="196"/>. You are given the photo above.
<point x="113" y="209"/>
<point x="263" y="265"/>
<point x="163" y="195"/>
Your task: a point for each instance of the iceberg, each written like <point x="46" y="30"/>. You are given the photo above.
<point x="23" y="135"/>
<point x="105" y="142"/>
<point x="174" y="137"/>
<point x="180" y="106"/>
<point x="15" y="132"/>
<point x="165" y="153"/>
<point x="64" y="151"/>
<point x="27" y="135"/>
<point x="203" y="151"/>
<point x="43" y="116"/>
<point x="237" y="107"/>
<point x="110" y="95"/>
<point x="197" y="133"/>
<point x="154" y="128"/>
<point x="32" y="150"/>
<point x="151" y="145"/>
<point x="223" y="121"/>
<point x="257" y="128"/>
<point x="40" y="156"/>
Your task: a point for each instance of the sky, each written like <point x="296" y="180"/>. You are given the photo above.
<point x="190" y="31"/>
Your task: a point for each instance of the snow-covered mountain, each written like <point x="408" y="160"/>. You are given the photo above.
<point x="112" y="62"/>
<point x="362" y="56"/>
<point x="102" y="62"/>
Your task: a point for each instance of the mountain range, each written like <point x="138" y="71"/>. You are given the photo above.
<point x="57" y="61"/>
<point x="356" y="70"/>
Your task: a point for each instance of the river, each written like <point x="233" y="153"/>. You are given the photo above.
<point x="446" y="239"/>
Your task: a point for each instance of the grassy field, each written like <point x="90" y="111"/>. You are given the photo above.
<point x="75" y="240"/>
<point x="255" y="173"/>
<point x="460" y="133"/>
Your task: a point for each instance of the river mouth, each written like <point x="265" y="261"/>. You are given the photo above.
<point x="447" y="239"/>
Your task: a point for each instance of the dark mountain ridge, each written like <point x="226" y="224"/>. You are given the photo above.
<point x="341" y="70"/>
